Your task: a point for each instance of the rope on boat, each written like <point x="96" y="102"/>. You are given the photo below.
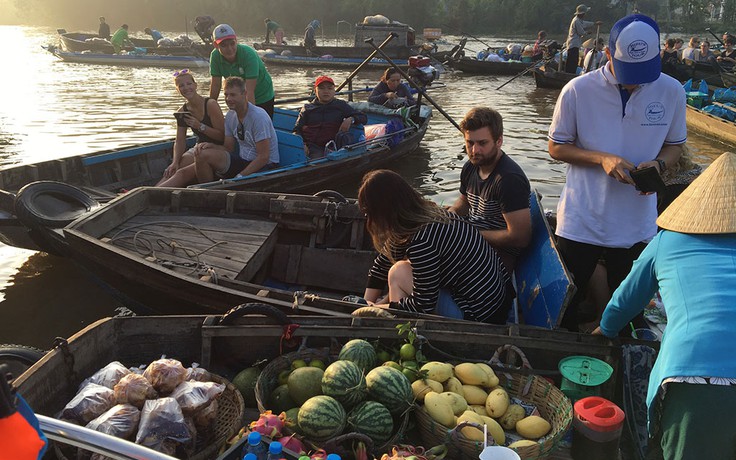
<point x="146" y="248"/>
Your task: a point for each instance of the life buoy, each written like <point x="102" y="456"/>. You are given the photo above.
<point x="18" y="358"/>
<point x="51" y="204"/>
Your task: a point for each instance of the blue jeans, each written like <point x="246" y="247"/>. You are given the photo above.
<point x="447" y="307"/>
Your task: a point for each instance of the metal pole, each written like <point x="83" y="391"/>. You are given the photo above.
<point x="412" y="83"/>
<point x="595" y="47"/>
<point x="352" y="75"/>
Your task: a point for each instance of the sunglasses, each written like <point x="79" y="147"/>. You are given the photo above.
<point x="240" y="133"/>
<point x="181" y="72"/>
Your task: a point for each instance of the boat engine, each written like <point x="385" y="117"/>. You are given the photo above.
<point x="420" y="70"/>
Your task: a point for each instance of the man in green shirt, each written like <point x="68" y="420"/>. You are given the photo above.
<point x="229" y="59"/>
<point x="273" y="27"/>
<point x="120" y="37"/>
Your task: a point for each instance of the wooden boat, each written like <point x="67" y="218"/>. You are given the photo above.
<point x="401" y="47"/>
<point x="474" y="66"/>
<point x="132" y="59"/>
<point x="103" y="174"/>
<point x="331" y="62"/>
<point x="711" y="125"/>
<point x="226" y="347"/>
<point x="80" y="41"/>
<point x="553" y="79"/>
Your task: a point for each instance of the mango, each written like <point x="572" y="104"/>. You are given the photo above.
<point x="458" y="403"/>
<point x="472" y="433"/>
<point x="495" y="430"/>
<point x="479" y="409"/>
<point x="420" y="388"/>
<point x="533" y="427"/>
<point x="497" y="402"/>
<point x="523" y="443"/>
<point x="438" y="371"/>
<point x="492" y="379"/>
<point x="470" y="374"/>
<point x="512" y="415"/>
<point x="454" y="385"/>
<point x="439" y="409"/>
<point x="474" y="394"/>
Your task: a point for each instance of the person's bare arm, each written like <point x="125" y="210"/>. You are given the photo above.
<point x="461" y="207"/>
<point x="614" y="165"/>
<point x="263" y="150"/>
<point x="229" y="144"/>
<point x="216" y="132"/>
<point x="670" y="154"/>
<point x="215" y="87"/>
<point x="180" y="146"/>
<point x="250" y="89"/>
<point x="518" y="231"/>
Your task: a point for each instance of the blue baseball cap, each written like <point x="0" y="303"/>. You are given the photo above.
<point x="634" y="47"/>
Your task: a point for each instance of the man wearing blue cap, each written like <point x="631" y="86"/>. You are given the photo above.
<point x="624" y="116"/>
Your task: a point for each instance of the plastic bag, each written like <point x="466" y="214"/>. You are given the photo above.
<point x="91" y="402"/>
<point x="725" y="94"/>
<point x="108" y="376"/>
<point x="165" y="375"/>
<point x="120" y="421"/>
<point x="198" y="374"/>
<point x="720" y="112"/>
<point x="205" y="418"/>
<point x="134" y="389"/>
<point x="372" y="131"/>
<point x="163" y="427"/>
<point x="193" y="396"/>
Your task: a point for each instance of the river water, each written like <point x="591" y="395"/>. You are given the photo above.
<point x="52" y="109"/>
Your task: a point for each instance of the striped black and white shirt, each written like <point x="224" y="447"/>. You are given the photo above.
<point x="452" y="256"/>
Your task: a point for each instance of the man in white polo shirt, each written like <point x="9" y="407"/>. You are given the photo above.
<point x="625" y="115"/>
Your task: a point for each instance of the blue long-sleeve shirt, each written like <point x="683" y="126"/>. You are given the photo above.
<point x="696" y="277"/>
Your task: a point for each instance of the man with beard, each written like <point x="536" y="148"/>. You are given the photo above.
<point x="494" y="191"/>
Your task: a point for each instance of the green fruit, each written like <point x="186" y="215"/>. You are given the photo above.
<point x="393" y="364"/>
<point x="317" y="363"/>
<point x="373" y="420"/>
<point x="304" y="383"/>
<point x="284" y="377"/>
<point x="245" y="382"/>
<point x="407" y="352"/>
<point x="389" y="387"/>
<point x="321" y="418"/>
<point x="383" y="356"/>
<point x="297" y="363"/>
<point x="360" y="352"/>
<point x="280" y="401"/>
<point x="292" y="416"/>
<point x="410" y="374"/>
<point x="344" y="381"/>
<point x="409" y="364"/>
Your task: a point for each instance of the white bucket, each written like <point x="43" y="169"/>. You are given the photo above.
<point x="499" y="453"/>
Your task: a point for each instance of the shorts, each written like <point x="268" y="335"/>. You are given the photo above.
<point x="236" y="164"/>
<point x="447" y="307"/>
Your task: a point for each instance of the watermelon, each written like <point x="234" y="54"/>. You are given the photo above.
<point x="344" y="381"/>
<point x="360" y="352"/>
<point x="389" y="387"/>
<point x="373" y="420"/>
<point x="321" y="417"/>
<point x="279" y="401"/>
<point x="304" y="383"/>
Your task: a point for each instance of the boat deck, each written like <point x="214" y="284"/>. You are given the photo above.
<point x="210" y="246"/>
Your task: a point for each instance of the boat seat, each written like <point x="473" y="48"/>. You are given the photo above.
<point x="284" y="120"/>
<point x="291" y="149"/>
<point x="543" y="285"/>
<point x="128" y="152"/>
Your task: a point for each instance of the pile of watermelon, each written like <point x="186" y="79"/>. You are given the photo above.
<point x="349" y="395"/>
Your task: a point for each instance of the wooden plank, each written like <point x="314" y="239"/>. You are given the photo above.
<point x="114" y="214"/>
<point x="239" y="225"/>
<point x="259" y="258"/>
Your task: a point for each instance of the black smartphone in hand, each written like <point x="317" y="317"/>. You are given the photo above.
<point x="181" y="115"/>
<point x="648" y="180"/>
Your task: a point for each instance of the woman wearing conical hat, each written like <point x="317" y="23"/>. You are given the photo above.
<point x="692" y="261"/>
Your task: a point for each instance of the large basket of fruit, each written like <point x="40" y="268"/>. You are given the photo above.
<point x="524" y="412"/>
<point x="348" y="395"/>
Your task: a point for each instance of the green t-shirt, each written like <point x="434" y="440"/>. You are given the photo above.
<point x="273" y="26"/>
<point x="248" y="65"/>
<point x="119" y="37"/>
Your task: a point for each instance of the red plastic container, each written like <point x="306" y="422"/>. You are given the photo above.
<point x="597" y="425"/>
<point x="418" y="61"/>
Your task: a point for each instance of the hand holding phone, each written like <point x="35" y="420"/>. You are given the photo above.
<point x="648" y="180"/>
<point x="181" y="115"/>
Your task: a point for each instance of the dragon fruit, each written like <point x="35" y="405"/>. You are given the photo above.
<point x="293" y="444"/>
<point x="268" y="424"/>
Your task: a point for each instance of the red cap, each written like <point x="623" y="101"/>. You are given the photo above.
<point x="323" y="78"/>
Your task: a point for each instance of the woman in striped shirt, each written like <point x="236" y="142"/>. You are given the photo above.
<point x="432" y="261"/>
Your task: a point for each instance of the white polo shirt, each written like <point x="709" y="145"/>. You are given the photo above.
<point x="595" y="208"/>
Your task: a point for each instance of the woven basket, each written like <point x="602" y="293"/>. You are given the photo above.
<point x="268" y="381"/>
<point x="553" y="406"/>
<point x="230" y="408"/>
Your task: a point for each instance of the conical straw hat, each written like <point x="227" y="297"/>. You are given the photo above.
<point x="708" y="205"/>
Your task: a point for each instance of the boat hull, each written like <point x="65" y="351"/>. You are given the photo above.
<point x="76" y="42"/>
<point x="309" y="61"/>
<point x="711" y="126"/>
<point x="361" y="52"/>
<point x="551" y="79"/>
<point x="474" y="66"/>
<point x="137" y="60"/>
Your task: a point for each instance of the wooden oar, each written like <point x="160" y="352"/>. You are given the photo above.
<point x="536" y="64"/>
<point x="412" y="82"/>
<point x="707" y="29"/>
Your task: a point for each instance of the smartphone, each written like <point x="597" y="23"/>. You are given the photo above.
<point x="648" y="180"/>
<point x="180" y="115"/>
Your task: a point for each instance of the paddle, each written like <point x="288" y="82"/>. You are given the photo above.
<point x="536" y="64"/>
<point x="595" y="47"/>
<point x="468" y="35"/>
<point x="707" y="29"/>
<point x="352" y="75"/>
<point x="412" y="83"/>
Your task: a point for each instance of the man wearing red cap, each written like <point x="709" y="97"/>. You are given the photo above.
<point x="320" y="121"/>
<point x="230" y="59"/>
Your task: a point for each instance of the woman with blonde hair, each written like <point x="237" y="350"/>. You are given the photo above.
<point x="204" y="116"/>
<point x="432" y="261"/>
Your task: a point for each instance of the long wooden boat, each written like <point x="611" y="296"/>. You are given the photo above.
<point x="474" y="66"/>
<point x="329" y="62"/>
<point x="103" y="174"/>
<point x="81" y="41"/>
<point x="133" y="59"/>
<point x="401" y="47"/>
<point x="711" y="125"/>
<point x="552" y="79"/>
<point x="226" y="347"/>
